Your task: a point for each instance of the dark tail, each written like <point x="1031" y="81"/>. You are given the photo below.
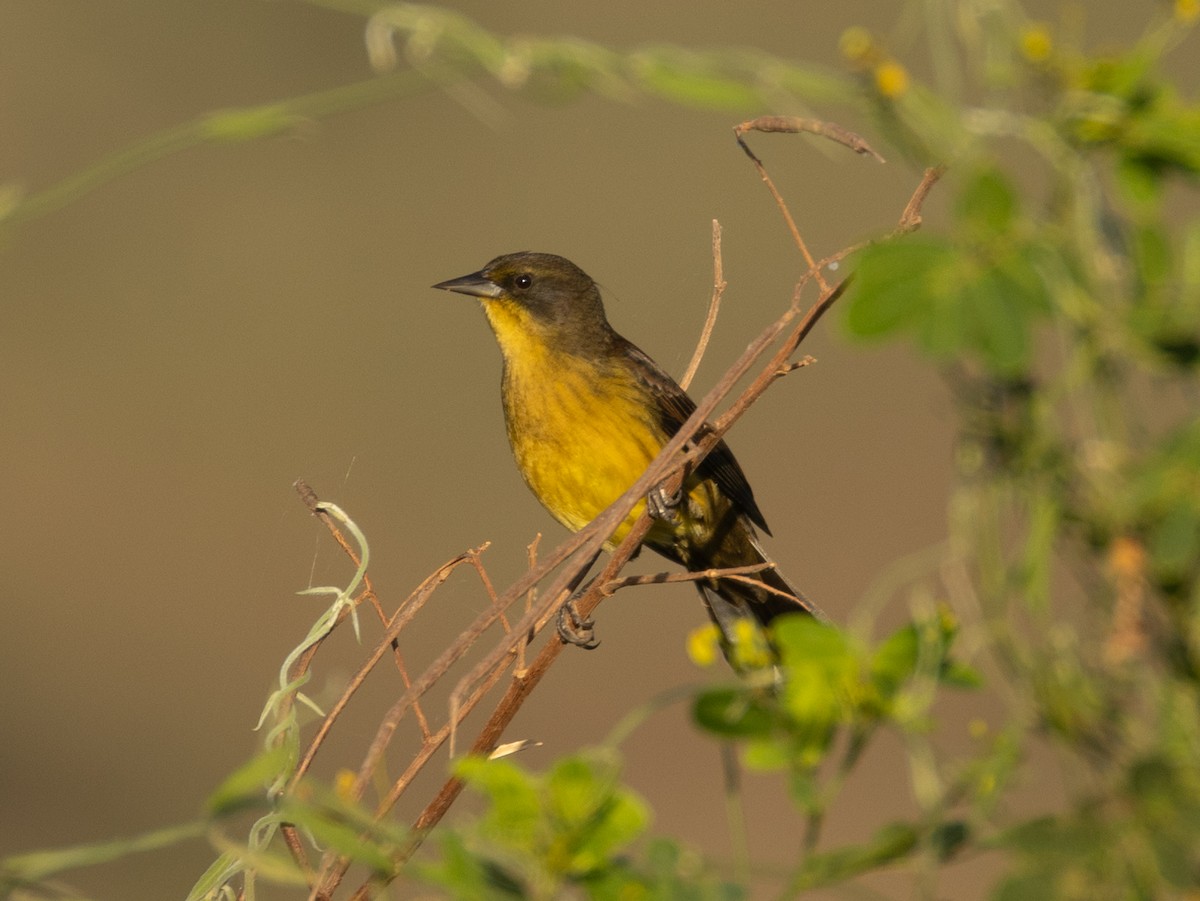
<point x="760" y="597"/>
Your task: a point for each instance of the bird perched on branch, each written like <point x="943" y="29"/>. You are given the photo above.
<point x="587" y="411"/>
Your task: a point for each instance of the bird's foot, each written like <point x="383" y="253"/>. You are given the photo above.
<point x="573" y="628"/>
<point x="663" y="506"/>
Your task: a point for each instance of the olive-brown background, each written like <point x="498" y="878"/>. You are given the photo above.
<point x="179" y="346"/>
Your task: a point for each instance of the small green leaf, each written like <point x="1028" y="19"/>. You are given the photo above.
<point x="329" y="831"/>
<point x="767" y="754"/>
<point x="1152" y="252"/>
<point x="620" y="820"/>
<point x="1175" y="538"/>
<point x="988" y="202"/>
<point x="516" y="804"/>
<point x="692" y="80"/>
<point x="999" y="326"/>
<point x="895" y="659"/>
<point x="248" y="784"/>
<point x="888" y="844"/>
<point x="249" y="123"/>
<point x="1141" y="184"/>
<point x="804" y="640"/>
<point x="733" y="712"/>
<point x="893" y="285"/>
<point x="961" y="675"/>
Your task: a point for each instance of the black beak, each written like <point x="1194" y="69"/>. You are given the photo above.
<point x="476" y="285"/>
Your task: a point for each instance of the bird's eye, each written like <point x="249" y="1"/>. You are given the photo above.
<point x="523" y="281"/>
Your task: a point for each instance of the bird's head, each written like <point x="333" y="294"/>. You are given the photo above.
<point x="540" y="296"/>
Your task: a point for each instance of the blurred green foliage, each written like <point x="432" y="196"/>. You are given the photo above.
<point x="1059" y="295"/>
<point x="572" y="828"/>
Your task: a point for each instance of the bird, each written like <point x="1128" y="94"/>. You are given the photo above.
<point x="586" y="411"/>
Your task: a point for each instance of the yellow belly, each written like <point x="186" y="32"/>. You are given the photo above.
<point x="580" y="438"/>
<point x="583" y="431"/>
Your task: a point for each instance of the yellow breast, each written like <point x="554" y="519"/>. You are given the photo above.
<point x="581" y="437"/>
<point x="582" y="430"/>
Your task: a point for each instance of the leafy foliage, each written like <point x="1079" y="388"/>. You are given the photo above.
<point x="571" y="828"/>
<point x="1060" y="298"/>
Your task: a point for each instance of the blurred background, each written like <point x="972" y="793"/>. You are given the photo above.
<point x="180" y="345"/>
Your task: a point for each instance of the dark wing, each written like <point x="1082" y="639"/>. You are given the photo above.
<point x="674" y="407"/>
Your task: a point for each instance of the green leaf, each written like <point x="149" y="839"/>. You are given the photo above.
<point x="733" y="712"/>
<point x="803" y="640"/>
<point x="330" y="831"/>
<point x="893" y="285"/>
<point x="466" y="874"/>
<point x="575" y="792"/>
<point x="1141" y="184"/>
<point x="961" y="675"/>
<point x="949" y="837"/>
<point x="1175" y="538"/>
<point x="587" y="806"/>
<point x="247" y="785"/>
<point x="895" y="659"/>
<point x="1152" y="252"/>
<point x="249" y="123"/>
<point x="619" y="820"/>
<point x="516" y="805"/>
<point x="890" y="843"/>
<point x="822" y="682"/>
<point x="767" y="754"/>
<point x="988" y="202"/>
<point x="34" y="866"/>
<point x="692" y="80"/>
<point x="997" y="313"/>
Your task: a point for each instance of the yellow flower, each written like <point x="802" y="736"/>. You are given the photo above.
<point x="343" y="785"/>
<point x="1036" y="42"/>
<point x="703" y="645"/>
<point x="856" y="43"/>
<point x="1187" y="10"/>
<point x="891" y="79"/>
<point x="750" y="648"/>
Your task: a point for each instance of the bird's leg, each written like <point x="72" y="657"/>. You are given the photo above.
<point x="573" y="628"/>
<point x="663" y="505"/>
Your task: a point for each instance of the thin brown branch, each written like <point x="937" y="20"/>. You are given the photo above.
<point x="806" y="360"/>
<point x="910" y="219"/>
<point x="314" y="505"/>
<point x="665" y="578"/>
<point x="714" y="305"/>
<point x="795" y="125"/>
<point x="477" y="562"/>
<point x="410" y="608"/>
<point x="531" y="552"/>
<point x="783" y="209"/>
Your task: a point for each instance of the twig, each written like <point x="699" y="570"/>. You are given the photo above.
<point x="714" y="305"/>
<point x="314" y="505"/>
<point x="409" y="609"/>
<point x="910" y="219"/>
<point x="611" y="588"/>
<point x="793" y="125"/>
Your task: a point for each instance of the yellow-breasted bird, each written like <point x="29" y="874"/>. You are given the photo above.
<point x="587" y="411"/>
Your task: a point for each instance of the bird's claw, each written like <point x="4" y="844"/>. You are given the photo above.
<point x="663" y="506"/>
<point x="576" y="629"/>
